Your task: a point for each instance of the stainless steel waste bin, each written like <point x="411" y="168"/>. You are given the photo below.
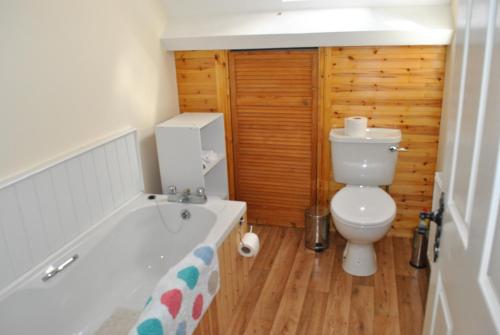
<point x="419" y="248"/>
<point x="317" y="228"/>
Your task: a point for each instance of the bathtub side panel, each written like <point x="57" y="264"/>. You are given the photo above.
<point x="234" y="281"/>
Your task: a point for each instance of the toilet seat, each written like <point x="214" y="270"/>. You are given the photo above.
<point x="363" y="206"/>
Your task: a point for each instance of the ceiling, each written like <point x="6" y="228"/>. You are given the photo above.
<point x="218" y="7"/>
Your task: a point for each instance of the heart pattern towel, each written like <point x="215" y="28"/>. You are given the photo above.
<point x="182" y="296"/>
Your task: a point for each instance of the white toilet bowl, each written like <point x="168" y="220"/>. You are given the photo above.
<point x="362" y="215"/>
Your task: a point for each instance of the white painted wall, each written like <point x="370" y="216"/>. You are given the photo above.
<point x="72" y="72"/>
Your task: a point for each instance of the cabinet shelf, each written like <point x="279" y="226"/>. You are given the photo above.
<point x="213" y="163"/>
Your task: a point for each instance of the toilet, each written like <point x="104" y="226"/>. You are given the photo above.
<point x="362" y="211"/>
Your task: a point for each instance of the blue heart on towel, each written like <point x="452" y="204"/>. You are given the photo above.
<point x="206" y="254"/>
<point x="181" y="329"/>
<point x="189" y="275"/>
<point x="150" y="327"/>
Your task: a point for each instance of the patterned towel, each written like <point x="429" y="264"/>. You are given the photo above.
<point x="182" y="296"/>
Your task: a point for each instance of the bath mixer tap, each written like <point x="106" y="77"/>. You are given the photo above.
<point x="186" y="197"/>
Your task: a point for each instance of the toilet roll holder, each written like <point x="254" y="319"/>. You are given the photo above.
<point x="243" y="247"/>
<point x="242" y="222"/>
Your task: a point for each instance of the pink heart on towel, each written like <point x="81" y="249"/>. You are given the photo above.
<point x="197" y="306"/>
<point x="172" y="300"/>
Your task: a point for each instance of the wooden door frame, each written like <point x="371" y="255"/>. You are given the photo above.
<point x="320" y="131"/>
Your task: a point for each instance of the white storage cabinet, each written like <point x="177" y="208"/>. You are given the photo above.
<point x="181" y="141"/>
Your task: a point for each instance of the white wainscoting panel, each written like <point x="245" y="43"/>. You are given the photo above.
<point x="41" y="211"/>
<point x="494" y="267"/>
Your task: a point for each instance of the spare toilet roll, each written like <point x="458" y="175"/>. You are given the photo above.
<point x="249" y="245"/>
<point x="355" y="126"/>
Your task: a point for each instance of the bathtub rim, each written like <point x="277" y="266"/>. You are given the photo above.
<point x="228" y="210"/>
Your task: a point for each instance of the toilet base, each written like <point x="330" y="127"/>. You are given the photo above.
<point x="359" y="259"/>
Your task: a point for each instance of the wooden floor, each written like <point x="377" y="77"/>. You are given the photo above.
<point x="296" y="291"/>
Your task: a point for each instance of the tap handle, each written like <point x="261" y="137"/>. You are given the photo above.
<point x="200" y="191"/>
<point x="172" y="190"/>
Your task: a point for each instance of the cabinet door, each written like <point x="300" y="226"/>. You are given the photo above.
<point x="274" y="111"/>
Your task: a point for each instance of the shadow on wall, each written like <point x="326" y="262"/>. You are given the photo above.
<point x="166" y="107"/>
<point x="149" y="160"/>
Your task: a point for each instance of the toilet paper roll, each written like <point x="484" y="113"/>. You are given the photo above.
<point x="249" y="245"/>
<point x="355" y="126"/>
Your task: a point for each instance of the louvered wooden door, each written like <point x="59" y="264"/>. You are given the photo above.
<point x="274" y="118"/>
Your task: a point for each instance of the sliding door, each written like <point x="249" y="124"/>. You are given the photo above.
<point x="274" y="121"/>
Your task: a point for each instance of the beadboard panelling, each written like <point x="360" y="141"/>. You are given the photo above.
<point x="394" y="87"/>
<point x="14" y="231"/>
<point x="42" y="211"/>
<point x="30" y="215"/>
<point x="103" y="179"/>
<point x="91" y="186"/>
<point x="5" y="264"/>
<point x="48" y="208"/>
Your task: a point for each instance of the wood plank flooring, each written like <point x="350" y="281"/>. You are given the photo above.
<point x="293" y="290"/>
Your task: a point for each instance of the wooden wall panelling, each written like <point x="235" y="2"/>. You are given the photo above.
<point x="396" y="87"/>
<point x="274" y="114"/>
<point x="203" y="86"/>
<point x="234" y="270"/>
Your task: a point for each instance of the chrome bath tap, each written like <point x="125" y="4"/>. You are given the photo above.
<point x="186" y="197"/>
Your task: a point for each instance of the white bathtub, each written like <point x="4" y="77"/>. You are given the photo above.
<point x="119" y="262"/>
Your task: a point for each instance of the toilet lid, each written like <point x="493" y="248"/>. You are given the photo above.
<point x="362" y="205"/>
